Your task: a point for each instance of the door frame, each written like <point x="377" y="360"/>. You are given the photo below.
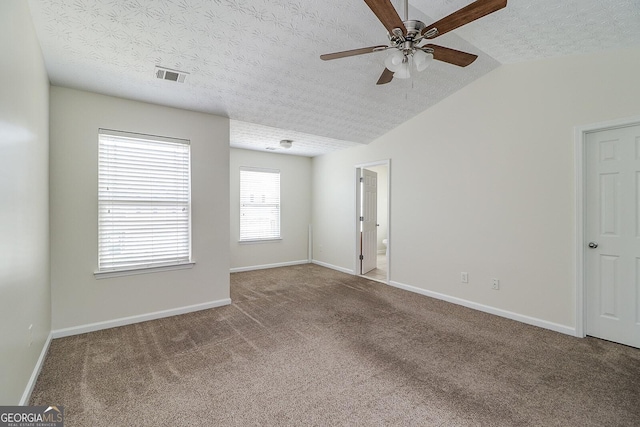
<point x="580" y="140"/>
<point x="356" y="223"/>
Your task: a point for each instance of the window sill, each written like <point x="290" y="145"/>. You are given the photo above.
<point x="251" y="242"/>
<point x="143" y="270"/>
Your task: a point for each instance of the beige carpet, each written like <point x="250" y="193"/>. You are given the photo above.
<point x="305" y="345"/>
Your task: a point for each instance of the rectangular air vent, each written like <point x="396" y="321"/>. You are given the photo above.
<point x="172" y="75"/>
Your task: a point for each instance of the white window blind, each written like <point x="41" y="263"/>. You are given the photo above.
<point x="144" y="217"/>
<point x="259" y="204"/>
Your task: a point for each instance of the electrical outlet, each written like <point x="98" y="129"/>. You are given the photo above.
<point x="464" y="277"/>
<point x="495" y="284"/>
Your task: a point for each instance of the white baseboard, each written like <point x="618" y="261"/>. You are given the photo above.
<point x="36" y="372"/>
<point x="265" y="266"/>
<point x="92" y="327"/>
<point x="488" y="309"/>
<point x="333" y="267"/>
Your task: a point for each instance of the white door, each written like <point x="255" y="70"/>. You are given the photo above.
<point x="613" y="235"/>
<point x="368" y="221"/>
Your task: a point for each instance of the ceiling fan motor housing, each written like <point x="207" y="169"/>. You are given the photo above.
<point x="414" y="28"/>
<point x="413" y="35"/>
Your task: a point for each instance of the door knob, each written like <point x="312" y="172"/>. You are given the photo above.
<point x="593" y="245"/>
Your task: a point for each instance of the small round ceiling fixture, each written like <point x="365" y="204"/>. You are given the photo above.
<point x="286" y="143"/>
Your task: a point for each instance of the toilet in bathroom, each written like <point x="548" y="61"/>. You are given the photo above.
<point x="384" y="242"/>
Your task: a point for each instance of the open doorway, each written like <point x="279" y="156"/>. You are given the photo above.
<point x="372" y="220"/>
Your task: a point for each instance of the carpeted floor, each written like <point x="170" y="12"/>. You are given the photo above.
<point x="306" y="345"/>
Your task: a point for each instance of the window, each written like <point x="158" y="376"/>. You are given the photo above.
<point x="259" y="204"/>
<point x="144" y="201"/>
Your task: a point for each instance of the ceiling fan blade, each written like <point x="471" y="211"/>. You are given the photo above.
<point x="452" y="56"/>
<point x="475" y="10"/>
<point x="354" y="52"/>
<point x="387" y="14"/>
<point x="385" y="77"/>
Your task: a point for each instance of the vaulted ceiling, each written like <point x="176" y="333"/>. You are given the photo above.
<point x="257" y="61"/>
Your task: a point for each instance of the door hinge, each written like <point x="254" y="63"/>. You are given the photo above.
<point x="361" y="218"/>
<point x="361" y="179"/>
<point x="361" y="257"/>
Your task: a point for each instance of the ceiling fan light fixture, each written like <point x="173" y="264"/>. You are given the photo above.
<point x="394" y="60"/>
<point x="404" y="72"/>
<point x="286" y="143"/>
<point x="422" y="60"/>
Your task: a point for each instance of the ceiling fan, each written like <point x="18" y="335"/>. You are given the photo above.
<point x="405" y="38"/>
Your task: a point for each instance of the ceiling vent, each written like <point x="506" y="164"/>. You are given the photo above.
<point x="169" y="74"/>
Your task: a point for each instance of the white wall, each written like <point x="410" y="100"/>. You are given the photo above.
<point x="295" y="200"/>
<point x="483" y="182"/>
<point x="77" y="297"/>
<point x="25" y="297"/>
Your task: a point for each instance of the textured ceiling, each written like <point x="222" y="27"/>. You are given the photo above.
<point x="252" y="136"/>
<point x="536" y="29"/>
<point x="257" y="62"/>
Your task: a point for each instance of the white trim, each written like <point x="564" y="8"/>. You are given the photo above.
<point x="371" y="164"/>
<point x="310" y="244"/>
<point x="578" y="258"/>
<point x="333" y="267"/>
<point x="388" y="248"/>
<point x="356" y="217"/>
<point x="260" y="241"/>
<point x="253" y="169"/>
<point x="36" y="372"/>
<point x="142" y="270"/>
<point x="579" y="137"/>
<point x="265" y="266"/>
<point x="487" y="309"/>
<point x="107" y="324"/>
<point x="142" y="136"/>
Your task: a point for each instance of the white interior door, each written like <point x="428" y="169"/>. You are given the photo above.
<point x="612" y="261"/>
<point x="368" y="221"/>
